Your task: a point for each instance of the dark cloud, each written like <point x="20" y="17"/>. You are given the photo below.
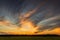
<point x="11" y="9"/>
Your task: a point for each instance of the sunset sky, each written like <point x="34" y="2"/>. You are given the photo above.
<point x="30" y="17"/>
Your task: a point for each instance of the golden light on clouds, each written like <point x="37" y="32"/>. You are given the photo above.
<point x="27" y="27"/>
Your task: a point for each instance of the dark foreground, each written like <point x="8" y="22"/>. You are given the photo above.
<point x="29" y="37"/>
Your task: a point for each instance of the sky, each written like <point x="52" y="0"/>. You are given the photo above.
<point x="44" y="12"/>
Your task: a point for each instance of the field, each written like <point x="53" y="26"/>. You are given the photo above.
<point x="29" y="37"/>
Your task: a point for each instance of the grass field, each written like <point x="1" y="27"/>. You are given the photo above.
<point x="29" y="38"/>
